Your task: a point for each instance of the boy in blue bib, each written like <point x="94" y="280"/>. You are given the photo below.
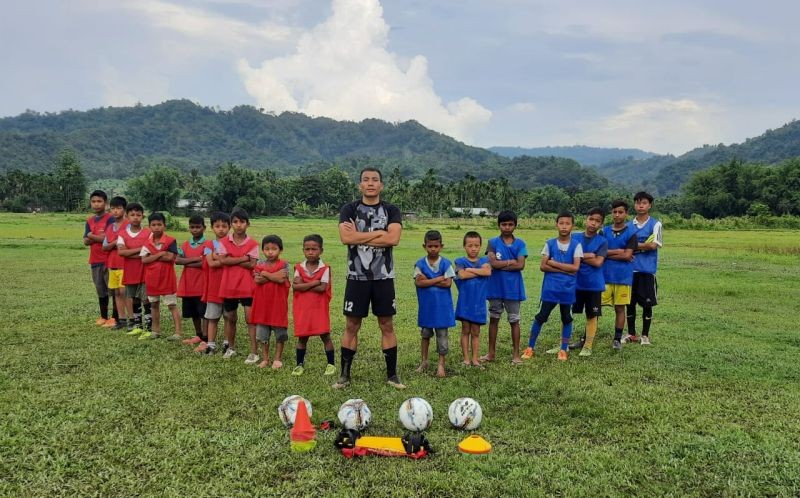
<point x="561" y="260"/>
<point x="645" y="264"/>
<point x="472" y="280"/>
<point x="433" y="276"/>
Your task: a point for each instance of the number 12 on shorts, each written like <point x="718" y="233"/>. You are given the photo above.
<point x="348" y="306"/>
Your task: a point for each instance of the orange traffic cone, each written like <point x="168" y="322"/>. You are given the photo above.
<point x="303" y="433"/>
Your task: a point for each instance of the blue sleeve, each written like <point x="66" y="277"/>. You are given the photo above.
<point x="86" y="230"/>
<point x="523" y="249"/>
<point x="603" y="250"/>
<point x="173" y="248"/>
<point x="489" y="247"/>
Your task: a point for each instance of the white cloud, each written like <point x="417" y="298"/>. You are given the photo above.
<point x="342" y="69"/>
<point x="522" y="107"/>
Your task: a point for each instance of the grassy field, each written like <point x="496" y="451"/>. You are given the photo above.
<point x="712" y="408"/>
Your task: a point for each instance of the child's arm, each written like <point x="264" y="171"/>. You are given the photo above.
<point x="259" y="278"/>
<point x="421" y="281"/>
<point x="278" y="277"/>
<point x="212" y="261"/>
<point x="466" y="274"/>
<point x="570" y="269"/>
<point x="249" y="264"/>
<point x="593" y="259"/>
<point x="190" y="262"/>
<point x="446" y="283"/>
<point x="108" y="247"/>
<point x="129" y="253"/>
<point x="300" y="286"/>
<point x="149" y="258"/>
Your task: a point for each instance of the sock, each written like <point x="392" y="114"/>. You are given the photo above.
<point x="300" y="355"/>
<point x="103" y="307"/>
<point x="536" y="327"/>
<point x="114" y="312"/>
<point x="347" y="360"/>
<point x="632" y="319"/>
<point x="591" y="330"/>
<point x="329" y="355"/>
<point x="566" y="333"/>
<point x="647" y="316"/>
<point x="225" y="343"/>
<point x="617" y="334"/>
<point x="212" y="344"/>
<point x="137" y="307"/>
<point x="390" y="355"/>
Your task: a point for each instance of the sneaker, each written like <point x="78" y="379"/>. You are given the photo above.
<point x="100" y="322"/>
<point x="553" y="350"/>
<point x="394" y="381"/>
<point x="342" y="383"/>
<point x="192" y="341"/>
<point x="175" y="337"/>
<point x="251" y="359"/>
<point x="201" y="348"/>
<point x="134" y="331"/>
<point x="629" y="338"/>
<point x="119" y="326"/>
<point x="230" y="353"/>
<point x="145" y="335"/>
<point x="527" y="354"/>
<point x="330" y="369"/>
<point x="110" y="323"/>
<point x="210" y="350"/>
<point x="563" y="355"/>
<point x="585" y="352"/>
<point x="577" y="344"/>
<point x="225" y="347"/>
<point x="298" y="370"/>
<point x="645" y="341"/>
<point x="617" y="345"/>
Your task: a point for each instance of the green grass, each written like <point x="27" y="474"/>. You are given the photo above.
<point x="713" y="408"/>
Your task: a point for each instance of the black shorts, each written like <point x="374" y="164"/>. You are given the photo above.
<point x="192" y="307"/>
<point x="592" y="301"/>
<point x="358" y="294"/>
<point x="644" y="291"/>
<point x="232" y="304"/>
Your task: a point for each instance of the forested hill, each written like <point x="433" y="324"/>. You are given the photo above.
<point x="109" y="140"/>
<point x="666" y="174"/>
<point x="587" y="156"/>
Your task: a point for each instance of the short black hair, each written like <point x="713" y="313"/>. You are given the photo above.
<point x="597" y="210"/>
<point x="134" y="206"/>
<point x="118" y="201"/>
<point x="371" y="168"/>
<point x="241" y="214"/>
<point x="643" y="195"/>
<point x="313" y="238"/>
<point x="156" y="217"/>
<point x="619" y="203"/>
<point x="220" y="216"/>
<point x="99" y="193"/>
<point x="196" y="219"/>
<point x="272" y="239"/>
<point x="565" y="214"/>
<point x="506" y="215"/>
<point x="472" y="235"/>
<point x="431" y="235"/>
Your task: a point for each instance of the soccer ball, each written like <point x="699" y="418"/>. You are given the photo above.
<point x="354" y="414"/>
<point x="287" y="410"/>
<point x="415" y="414"/>
<point x="465" y="414"/>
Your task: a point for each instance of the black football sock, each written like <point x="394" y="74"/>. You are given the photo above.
<point x="103" y="307"/>
<point x="617" y="334"/>
<point x="300" y="354"/>
<point x="390" y="355"/>
<point x="647" y="316"/>
<point x="631" y="319"/>
<point x="347" y="361"/>
<point x="114" y="311"/>
<point x="329" y="355"/>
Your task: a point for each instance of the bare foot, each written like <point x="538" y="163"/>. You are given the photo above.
<point x="486" y="359"/>
<point x="440" y="372"/>
<point x="466" y="363"/>
<point x="478" y="365"/>
<point x="516" y="361"/>
<point x="422" y="367"/>
<point x="277" y="364"/>
<point x="263" y="364"/>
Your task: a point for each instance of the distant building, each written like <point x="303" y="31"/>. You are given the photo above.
<point x="471" y="211"/>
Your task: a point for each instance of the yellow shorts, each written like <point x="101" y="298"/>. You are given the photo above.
<point x="115" y="279"/>
<point x="617" y="295"/>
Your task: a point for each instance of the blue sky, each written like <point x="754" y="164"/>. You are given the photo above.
<point x="662" y="76"/>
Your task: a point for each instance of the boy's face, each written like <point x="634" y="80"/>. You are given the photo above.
<point x="619" y="215"/>
<point x="593" y="223"/>
<point x="642" y="206"/>
<point x="135" y="218"/>
<point x="311" y="251"/>
<point x="221" y="228"/>
<point x="433" y="247"/>
<point x="239" y="226"/>
<point x="157" y="227"/>
<point x="370" y="184"/>
<point x="196" y="230"/>
<point x="271" y="251"/>
<point x="507" y="227"/>
<point x="473" y="247"/>
<point x="98" y="204"/>
<point x="564" y="225"/>
<point x="118" y="212"/>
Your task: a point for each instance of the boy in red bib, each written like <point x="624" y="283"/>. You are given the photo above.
<point x="93" y="235"/>
<point x="270" y="312"/>
<point x="115" y="263"/>
<point x="238" y="254"/>
<point x="212" y="268"/>
<point x="130" y="241"/>
<point x="158" y="257"/>
<point x="311" y="303"/>
<point x="192" y="282"/>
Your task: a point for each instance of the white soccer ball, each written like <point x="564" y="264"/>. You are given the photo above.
<point x="465" y="414"/>
<point x="287" y="410"/>
<point x="355" y="414"/>
<point x="415" y="414"/>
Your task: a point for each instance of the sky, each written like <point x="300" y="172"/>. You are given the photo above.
<point x="661" y="76"/>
